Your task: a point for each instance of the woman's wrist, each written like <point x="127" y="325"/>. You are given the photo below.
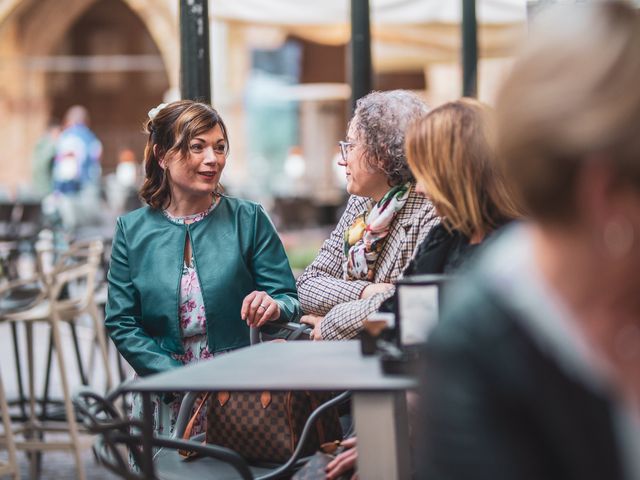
<point x="375" y="288"/>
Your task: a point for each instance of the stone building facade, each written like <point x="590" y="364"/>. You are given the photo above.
<point x="57" y="53"/>
<point x="121" y="57"/>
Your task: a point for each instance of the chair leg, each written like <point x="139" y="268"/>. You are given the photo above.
<point x="102" y="342"/>
<point x="47" y="378"/>
<point x="121" y="373"/>
<point x="92" y="355"/>
<point x="69" y="410"/>
<point x="8" y="433"/>
<point x="76" y="347"/>
<point x="16" y="353"/>
<point x="32" y="422"/>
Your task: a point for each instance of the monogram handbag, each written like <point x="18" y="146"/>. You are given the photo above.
<point x="265" y="427"/>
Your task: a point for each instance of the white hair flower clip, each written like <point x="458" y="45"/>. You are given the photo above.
<point x="154" y="111"/>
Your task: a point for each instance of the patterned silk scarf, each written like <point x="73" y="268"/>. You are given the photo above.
<point x="365" y="238"/>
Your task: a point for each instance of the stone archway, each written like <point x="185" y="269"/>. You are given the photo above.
<point x="159" y="16"/>
<point x="34" y="29"/>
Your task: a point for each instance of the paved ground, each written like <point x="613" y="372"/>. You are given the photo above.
<point x="60" y="466"/>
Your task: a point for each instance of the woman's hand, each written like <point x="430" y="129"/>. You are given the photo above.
<point x="315" y="322"/>
<point x="258" y="308"/>
<point x="345" y="461"/>
<point x="374" y="288"/>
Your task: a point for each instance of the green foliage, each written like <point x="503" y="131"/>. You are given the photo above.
<point x="301" y="256"/>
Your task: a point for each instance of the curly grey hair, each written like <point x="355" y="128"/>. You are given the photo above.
<point x="380" y="121"/>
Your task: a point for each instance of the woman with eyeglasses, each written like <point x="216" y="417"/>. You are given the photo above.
<point x="194" y="269"/>
<point x="384" y="220"/>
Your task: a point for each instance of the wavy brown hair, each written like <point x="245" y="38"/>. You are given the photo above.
<point x="170" y="132"/>
<point x="450" y="153"/>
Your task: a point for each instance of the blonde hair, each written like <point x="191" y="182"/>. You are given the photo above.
<point x="449" y="152"/>
<point x="572" y="97"/>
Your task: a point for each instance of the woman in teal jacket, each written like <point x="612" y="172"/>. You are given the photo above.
<point x="193" y="270"/>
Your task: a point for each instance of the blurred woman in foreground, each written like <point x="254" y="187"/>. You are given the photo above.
<point x="534" y="371"/>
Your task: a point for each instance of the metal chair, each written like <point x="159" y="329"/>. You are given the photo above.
<point x="115" y="431"/>
<point x="16" y="295"/>
<point x="22" y="295"/>
<point x="75" y="268"/>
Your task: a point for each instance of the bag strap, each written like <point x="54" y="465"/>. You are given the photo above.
<point x="190" y="425"/>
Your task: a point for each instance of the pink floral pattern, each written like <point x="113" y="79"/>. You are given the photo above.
<point x="191" y="310"/>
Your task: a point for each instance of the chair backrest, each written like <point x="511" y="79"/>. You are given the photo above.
<point x="68" y="282"/>
<point x="74" y="273"/>
<point x="114" y="430"/>
<point x="103" y="419"/>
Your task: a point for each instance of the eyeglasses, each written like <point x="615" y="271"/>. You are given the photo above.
<point x="345" y="148"/>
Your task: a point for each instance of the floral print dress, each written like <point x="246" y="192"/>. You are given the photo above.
<point x="193" y="325"/>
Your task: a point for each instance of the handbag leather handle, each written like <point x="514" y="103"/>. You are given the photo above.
<point x="224" y="396"/>
<point x="190" y="425"/>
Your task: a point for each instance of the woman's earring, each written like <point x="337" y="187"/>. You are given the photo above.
<point x="619" y="237"/>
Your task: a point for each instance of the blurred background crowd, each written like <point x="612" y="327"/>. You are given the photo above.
<point x="279" y="76"/>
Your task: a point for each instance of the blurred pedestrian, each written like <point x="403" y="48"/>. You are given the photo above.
<point x="121" y="187"/>
<point x="76" y="171"/>
<point x="534" y="370"/>
<point x="78" y="153"/>
<point x="44" y="155"/>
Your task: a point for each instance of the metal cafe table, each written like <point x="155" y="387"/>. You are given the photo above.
<point x="379" y="402"/>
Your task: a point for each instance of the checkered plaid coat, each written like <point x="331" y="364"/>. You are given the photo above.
<point x="322" y="288"/>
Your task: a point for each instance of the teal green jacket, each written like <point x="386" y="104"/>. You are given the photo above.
<point x="236" y="250"/>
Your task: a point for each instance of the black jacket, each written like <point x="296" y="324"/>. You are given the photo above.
<point x="497" y="407"/>
<point x="440" y="252"/>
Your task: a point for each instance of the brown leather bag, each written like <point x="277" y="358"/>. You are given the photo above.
<point x="266" y="426"/>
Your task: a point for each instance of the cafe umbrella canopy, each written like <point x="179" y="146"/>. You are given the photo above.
<point x="405" y="33"/>
<point x="409" y="32"/>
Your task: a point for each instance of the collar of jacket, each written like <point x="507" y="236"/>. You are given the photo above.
<point x="161" y="218"/>
<point x="415" y="203"/>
